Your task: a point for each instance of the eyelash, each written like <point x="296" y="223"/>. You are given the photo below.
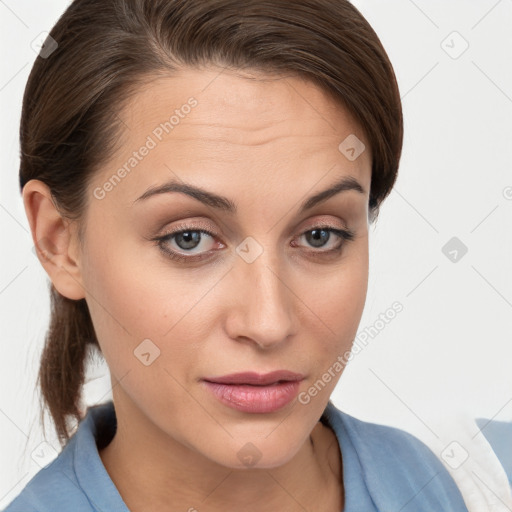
<point x="345" y="235"/>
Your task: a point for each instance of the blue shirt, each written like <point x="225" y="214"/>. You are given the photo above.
<point x="384" y="470"/>
<point x="499" y="435"/>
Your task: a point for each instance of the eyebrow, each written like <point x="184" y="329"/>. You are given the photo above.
<point x="225" y="204"/>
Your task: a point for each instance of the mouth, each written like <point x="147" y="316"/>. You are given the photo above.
<point x="255" y="393"/>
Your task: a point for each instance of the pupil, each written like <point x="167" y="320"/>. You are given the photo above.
<point x="318" y="237"/>
<point x="188" y="239"/>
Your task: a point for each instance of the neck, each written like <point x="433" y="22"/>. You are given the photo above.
<point x="149" y="466"/>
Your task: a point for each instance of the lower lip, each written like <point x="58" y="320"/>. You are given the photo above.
<point x="255" y="399"/>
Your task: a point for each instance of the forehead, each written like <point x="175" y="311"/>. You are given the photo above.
<point x="215" y="125"/>
<point x="233" y="95"/>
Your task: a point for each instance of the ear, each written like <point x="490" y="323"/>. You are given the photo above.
<point x="55" y="240"/>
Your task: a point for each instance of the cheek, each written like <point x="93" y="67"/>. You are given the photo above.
<point x="336" y="306"/>
<point x="343" y="299"/>
<point x="134" y="295"/>
<point x="337" y="298"/>
<point x="121" y="296"/>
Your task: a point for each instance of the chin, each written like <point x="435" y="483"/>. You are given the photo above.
<point x="258" y="453"/>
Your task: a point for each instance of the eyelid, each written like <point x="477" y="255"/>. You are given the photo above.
<point x="325" y="220"/>
<point x="189" y="225"/>
<point x="345" y="236"/>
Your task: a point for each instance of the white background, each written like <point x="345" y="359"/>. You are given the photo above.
<point x="450" y="349"/>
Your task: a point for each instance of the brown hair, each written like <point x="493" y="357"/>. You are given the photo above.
<point x="107" y="48"/>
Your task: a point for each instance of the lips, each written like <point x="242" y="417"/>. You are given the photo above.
<point x="257" y="379"/>
<point x="255" y="393"/>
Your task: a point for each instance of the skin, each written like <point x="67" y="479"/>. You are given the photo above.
<point x="266" y="144"/>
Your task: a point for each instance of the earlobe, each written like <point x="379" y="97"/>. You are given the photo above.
<point x="54" y="240"/>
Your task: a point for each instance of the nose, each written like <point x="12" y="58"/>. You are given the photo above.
<point x="262" y="310"/>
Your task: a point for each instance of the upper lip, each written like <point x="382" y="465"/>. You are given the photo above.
<point x="257" y="379"/>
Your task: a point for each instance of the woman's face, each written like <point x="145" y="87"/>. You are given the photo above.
<point x="270" y="288"/>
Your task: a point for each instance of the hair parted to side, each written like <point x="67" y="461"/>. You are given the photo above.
<point x="108" y="48"/>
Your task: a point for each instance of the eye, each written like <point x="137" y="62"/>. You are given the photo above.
<point x="194" y="244"/>
<point x="320" y="236"/>
<point x="187" y="240"/>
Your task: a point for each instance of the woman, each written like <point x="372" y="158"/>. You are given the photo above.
<point x="199" y="178"/>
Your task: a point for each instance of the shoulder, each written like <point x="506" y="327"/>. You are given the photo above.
<point x="388" y="444"/>
<point x="396" y="466"/>
<point x="76" y="479"/>
<point x="54" y="487"/>
<point x="499" y="436"/>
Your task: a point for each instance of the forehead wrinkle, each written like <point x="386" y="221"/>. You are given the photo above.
<point x="249" y="99"/>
